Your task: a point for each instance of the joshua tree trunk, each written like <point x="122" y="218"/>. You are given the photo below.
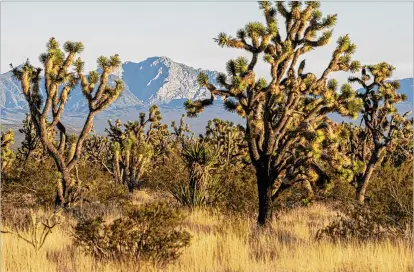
<point x="264" y="186"/>
<point x="365" y="178"/>
<point x="309" y="189"/>
<point x="26" y="158"/>
<point x="62" y="192"/>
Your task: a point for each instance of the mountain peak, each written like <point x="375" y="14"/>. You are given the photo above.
<point x="159" y="80"/>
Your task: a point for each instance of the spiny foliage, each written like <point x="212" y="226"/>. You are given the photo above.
<point x="384" y="130"/>
<point x="201" y="188"/>
<point x="276" y="112"/>
<point x="97" y="150"/>
<point x="180" y="131"/>
<point x="228" y="140"/>
<point x="62" y="72"/>
<point x="317" y="158"/>
<point x="7" y="155"/>
<point x="31" y="145"/>
<point x="133" y="147"/>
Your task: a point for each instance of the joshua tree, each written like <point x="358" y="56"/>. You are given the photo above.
<point x="60" y="80"/>
<point x="278" y="113"/>
<point x="179" y="132"/>
<point x="383" y="129"/>
<point x="7" y="155"/>
<point x="162" y="143"/>
<point x="229" y="141"/>
<point x="31" y="145"/>
<point x="132" y="148"/>
<point x="97" y="149"/>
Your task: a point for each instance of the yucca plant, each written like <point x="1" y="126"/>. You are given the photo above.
<point x="199" y="160"/>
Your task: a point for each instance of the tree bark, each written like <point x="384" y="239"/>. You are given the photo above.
<point x="62" y="192"/>
<point x="366" y="177"/>
<point x="264" y="183"/>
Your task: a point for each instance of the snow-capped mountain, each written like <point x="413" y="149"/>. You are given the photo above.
<point x="156" y="80"/>
<point x="11" y="96"/>
<point x="159" y="80"/>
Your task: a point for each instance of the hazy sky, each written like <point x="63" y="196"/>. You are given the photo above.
<point x="183" y="31"/>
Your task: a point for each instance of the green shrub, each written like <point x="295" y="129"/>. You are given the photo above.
<point x="98" y="187"/>
<point x="31" y="187"/>
<point x="387" y="213"/>
<point x="162" y="175"/>
<point x="361" y="223"/>
<point x="239" y="191"/>
<point x="145" y="233"/>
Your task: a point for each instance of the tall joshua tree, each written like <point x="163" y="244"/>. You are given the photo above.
<point x="278" y="112"/>
<point x="60" y="80"/>
<point x="383" y="129"/>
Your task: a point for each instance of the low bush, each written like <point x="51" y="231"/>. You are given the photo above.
<point x="31" y="187"/>
<point x="388" y="212"/>
<point x="149" y="232"/>
<point x="239" y="191"/>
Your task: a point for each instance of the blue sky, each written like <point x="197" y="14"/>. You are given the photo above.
<point x="183" y="31"/>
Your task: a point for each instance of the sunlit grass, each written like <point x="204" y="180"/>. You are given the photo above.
<point x="229" y="244"/>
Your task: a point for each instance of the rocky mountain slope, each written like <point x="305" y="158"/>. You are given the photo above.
<point x="156" y="80"/>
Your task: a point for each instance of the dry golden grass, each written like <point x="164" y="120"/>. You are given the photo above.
<point x="229" y="244"/>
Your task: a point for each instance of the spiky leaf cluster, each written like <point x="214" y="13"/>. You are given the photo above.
<point x="7" y="154"/>
<point x="31" y="145"/>
<point x="133" y="146"/>
<point x="228" y="140"/>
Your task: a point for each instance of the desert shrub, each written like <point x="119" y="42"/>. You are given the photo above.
<point x="292" y="198"/>
<point x="144" y="233"/>
<point x="98" y="186"/>
<point x="388" y="213"/>
<point x="98" y="194"/>
<point x="392" y="191"/>
<point x="35" y="186"/>
<point x="160" y="176"/>
<point x="362" y="223"/>
<point x="31" y="187"/>
<point x="239" y="191"/>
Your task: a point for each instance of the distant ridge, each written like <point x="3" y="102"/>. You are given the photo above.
<point x="155" y="80"/>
